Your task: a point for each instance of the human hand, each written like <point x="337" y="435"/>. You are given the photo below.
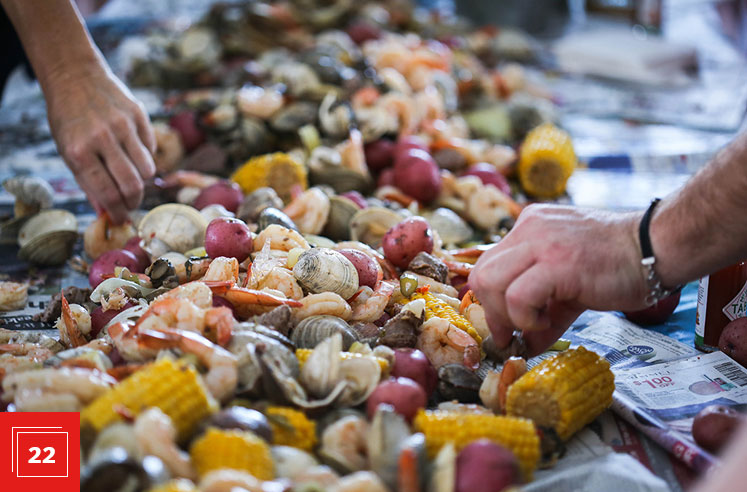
<point x="104" y="135"/>
<point x="556" y="262"/>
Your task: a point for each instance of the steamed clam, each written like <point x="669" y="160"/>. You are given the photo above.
<point x="451" y="228"/>
<point x="48" y="237"/>
<point x="341" y="212"/>
<point x="325" y="270"/>
<point x="370" y="224"/>
<point x="172" y="227"/>
<point x="315" y="329"/>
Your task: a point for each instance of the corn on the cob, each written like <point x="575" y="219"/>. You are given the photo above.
<point x="435" y="307"/>
<point x="516" y="434"/>
<point x="565" y="392"/>
<point x="278" y="171"/>
<point x="546" y="161"/>
<point x="176" y="485"/>
<point x="234" y="449"/>
<point x="291" y="427"/>
<point x="303" y="355"/>
<point x="173" y="386"/>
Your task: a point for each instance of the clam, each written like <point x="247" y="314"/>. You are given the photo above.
<point x="298" y="77"/>
<point x="450" y="227"/>
<point x="109" y="285"/>
<point x="315" y="329"/>
<point x="241" y="418"/>
<point x="32" y="194"/>
<point x="198" y="47"/>
<point x="255" y="202"/>
<point x="456" y="382"/>
<point x="115" y="467"/>
<point x="215" y="211"/>
<point x="293" y="116"/>
<point x="386" y="437"/>
<point x="172" y="227"/>
<point x="82" y="356"/>
<point x="335" y="119"/>
<point x="291" y="462"/>
<point x="325" y="168"/>
<point x="341" y="212"/>
<point x="367" y="333"/>
<point x="48" y="237"/>
<point x="316" y="241"/>
<point x="370" y="224"/>
<point x="244" y="346"/>
<point x="279" y="319"/>
<point x="361" y="375"/>
<point x="325" y="270"/>
<point x="272" y="215"/>
<point x="320" y="374"/>
<point x="265" y="331"/>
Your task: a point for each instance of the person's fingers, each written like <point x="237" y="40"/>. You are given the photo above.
<point x="123" y="171"/>
<point x="145" y="129"/>
<point x="139" y="155"/>
<point x="527" y="298"/>
<point x="562" y="315"/>
<point x="498" y="323"/>
<point x="99" y="186"/>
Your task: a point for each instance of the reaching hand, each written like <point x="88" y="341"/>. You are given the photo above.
<point x="105" y="137"/>
<point x="555" y="263"/>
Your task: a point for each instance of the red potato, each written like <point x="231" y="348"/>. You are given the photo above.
<point x="228" y="237"/>
<point x="380" y="154"/>
<point x="386" y="178"/>
<point x="404" y="394"/>
<point x="99" y="317"/>
<point x="222" y="193"/>
<point x="406" y="239"/>
<point x="185" y="123"/>
<point x="106" y="263"/>
<point x="404" y="144"/>
<point x="489" y="175"/>
<point x="412" y="363"/>
<point x="733" y="340"/>
<point x="714" y="426"/>
<point x="417" y="174"/>
<point x="356" y="198"/>
<point x="484" y="466"/>
<point x="656" y="314"/>
<point x="133" y="246"/>
<point x="369" y="272"/>
<point x="362" y="31"/>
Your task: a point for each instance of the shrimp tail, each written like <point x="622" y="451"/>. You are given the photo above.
<point x="72" y="332"/>
<point x="219" y="325"/>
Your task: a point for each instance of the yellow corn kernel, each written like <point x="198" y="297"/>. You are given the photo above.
<point x="291" y="427"/>
<point x="546" y="161"/>
<point x="233" y="449"/>
<point x="435" y="307"/>
<point x="303" y="355"/>
<point x="173" y="386"/>
<point x="516" y="434"/>
<point x="278" y="171"/>
<point x="565" y="392"/>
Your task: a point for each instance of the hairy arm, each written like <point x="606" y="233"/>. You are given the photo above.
<point x="101" y="131"/>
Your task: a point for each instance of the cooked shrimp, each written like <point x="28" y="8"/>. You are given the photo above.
<point x="115" y="300"/>
<point x="444" y="343"/>
<point x="351" y="153"/>
<point x="124" y="337"/>
<point x="26" y="348"/>
<point x="487" y="205"/>
<point x="345" y="441"/>
<point x="192" y="179"/>
<point x="513" y="369"/>
<point x="403" y="108"/>
<point x="316" y="476"/>
<point x="197" y="292"/>
<point x="169" y="148"/>
<point x="13" y="296"/>
<point x="489" y="392"/>
<point x="102" y="236"/>
<point x="280" y="238"/>
<point x="282" y="280"/>
<point x="325" y="303"/>
<point x="430" y="104"/>
<point x="155" y="434"/>
<point x="43" y="384"/>
<point x="362" y="481"/>
<point x="475" y="314"/>
<point x="182" y="314"/>
<point x="189" y="269"/>
<point x="73" y="324"/>
<point x="228" y="480"/>
<point x="372" y="307"/>
<point x="309" y="210"/>
<point x="259" y="102"/>
<point x="222" y="268"/>
<point x="222" y="375"/>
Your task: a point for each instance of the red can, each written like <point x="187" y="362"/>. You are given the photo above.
<point x="722" y="297"/>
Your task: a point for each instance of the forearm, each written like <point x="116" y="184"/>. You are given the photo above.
<point x="55" y="39"/>
<point x="703" y="227"/>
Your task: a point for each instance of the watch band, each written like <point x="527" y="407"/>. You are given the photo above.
<point x="656" y="291"/>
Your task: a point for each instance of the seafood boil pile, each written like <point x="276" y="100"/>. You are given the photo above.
<point x="293" y="312"/>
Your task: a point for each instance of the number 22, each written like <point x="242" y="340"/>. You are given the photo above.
<point x="37" y="452"/>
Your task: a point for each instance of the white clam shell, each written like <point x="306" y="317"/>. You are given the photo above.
<point x="179" y="227"/>
<point x="325" y="270"/>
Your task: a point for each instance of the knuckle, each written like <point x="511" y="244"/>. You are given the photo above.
<point x="120" y="123"/>
<point x="75" y="153"/>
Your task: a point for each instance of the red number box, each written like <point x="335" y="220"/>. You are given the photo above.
<point x="39" y="451"/>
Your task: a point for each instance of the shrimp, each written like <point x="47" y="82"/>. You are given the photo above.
<point x="403" y="108"/>
<point x="73" y="324"/>
<point x="309" y="210"/>
<point x="489" y="391"/>
<point x="362" y="481"/>
<point x="345" y="442"/>
<point x="513" y="369"/>
<point x="182" y="314"/>
<point x="169" y="148"/>
<point x="475" y="314"/>
<point x="26" y="348"/>
<point x="248" y="302"/>
<point x="327" y="303"/>
<point x="259" y="102"/>
<point x="487" y="205"/>
<point x="222" y="375"/>
<point x="190" y="268"/>
<point x="155" y="434"/>
<point x="197" y="292"/>
<point x="281" y="280"/>
<point x="222" y="268"/>
<point x="102" y="236"/>
<point x="228" y="480"/>
<point x="351" y="153"/>
<point x="13" y="296"/>
<point x="430" y="105"/>
<point x="124" y="338"/>
<point x="371" y="309"/>
<point x="280" y="238"/>
<point x="444" y="343"/>
<point x="317" y="476"/>
<point x="191" y="179"/>
<point x="115" y="300"/>
<point x="42" y="388"/>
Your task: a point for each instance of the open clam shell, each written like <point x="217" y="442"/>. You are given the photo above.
<point x="315" y="329"/>
<point x="341" y="179"/>
<point x="341" y="212"/>
<point x="370" y="224"/>
<point x="172" y="227"/>
<point x="48" y="237"/>
<point x="325" y="270"/>
<point x="451" y="228"/>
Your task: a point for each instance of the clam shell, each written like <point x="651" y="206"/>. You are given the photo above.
<point x="325" y="270"/>
<point x="48" y="237"/>
<point x="174" y="227"/>
<point x="341" y="179"/>
<point x="271" y="215"/>
<point x="255" y="202"/>
<point x="370" y="224"/>
<point x="111" y="284"/>
<point x="456" y="382"/>
<point x="451" y="228"/>
<point x="315" y="329"/>
<point x="293" y="117"/>
<point x="319" y="241"/>
<point x="341" y="212"/>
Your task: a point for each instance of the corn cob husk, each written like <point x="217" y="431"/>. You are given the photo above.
<point x="435" y="307"/>
<point x="546" y="161"/>
<point x="233" y="449"/>
<point x="303" y="355"/>
<point x="291" y="427"/>
<point x="278" y="171"/>
<point x="173" y="386"/>
<point x="176" y="485"/>
<point x="565" y="392"/>
<point x="516" y="434"/>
